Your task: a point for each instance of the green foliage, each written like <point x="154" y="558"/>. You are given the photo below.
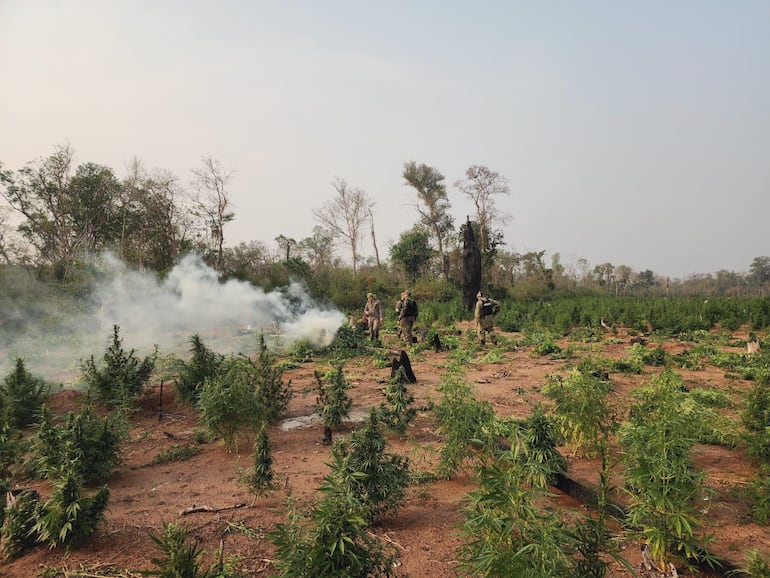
<point x="536" y="440"/>
<point x="229" y="402"/>
<point x="121" y="376"/>
<point x="756" y="418"/>
<point x="413" y="252"/>
<point x="582" y="409"/>
<point x="204" y="363"/>
<point x="180" y="556"/>
<point x="11" y="446"/>
<point x="333" y="399"/>
<point x="464" y="422"/>
<point x="758" y="494"/>
<point x="273" y="393"/>
<point x="68" y="517"/>
<point x="506" y="532"/>
<point x="757" y="566"/>
<point x="87" y="442"/>
<point x="663" y="484"/>
<point x="377" y="479"/>
<point x="398" y="412"/>
<point x="260" y="477"/>
<point x="19" y="531"/>
<point x="348" y="342"/>
<point x="336" y="541"/>
<point x="175" y="454"/>
<point x="22" y="394"/>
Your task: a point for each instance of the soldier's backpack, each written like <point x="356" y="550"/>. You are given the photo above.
<point x="489" y="308"/>
<point x="410" y="308"/>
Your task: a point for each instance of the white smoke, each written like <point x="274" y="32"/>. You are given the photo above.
<point x="190" y="299"/>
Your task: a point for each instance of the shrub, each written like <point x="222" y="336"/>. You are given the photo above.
<point x="22" y="394"/>
<point x="19" y="530"/>
<point x="260" y="478"/>
<point x="67" y="518"/>
<point x="122" y="376"/>
<point x="181" y="557"/>
<point x="662" y="482"/>
<point x="89" y="442"/>
<point x="464" y="421"/>
<point x="507" y="534"/>
<point x="273" y="393"/>
<point x="377" y="479"/>
<point x="229" y="402"/>
<point x="203" y="364"/>
<point x="398" y="412"/>
<point x="335" y="542"/>
<point x="11" y="447"/>
<point x="333" y="399"/>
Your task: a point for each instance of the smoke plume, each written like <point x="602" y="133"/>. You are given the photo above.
<point x="53" y="336"/>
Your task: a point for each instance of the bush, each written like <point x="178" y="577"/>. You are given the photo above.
<point x="22" y="394"/>
<point x="19" y="530"/>
<point x="67" y="518"/>
<point x="229" y="402"/>
<point x="377" y="479"/>
<point x="260" y="478"/>
<point x="398" y="413"/>
<point x="181" y="557"/>
<point x="203" y="364"/>
<point x="335" y="542"/>
<point x="85" y="440"/>
<point x="122" y="375"/>
<point x="333" y="399"/>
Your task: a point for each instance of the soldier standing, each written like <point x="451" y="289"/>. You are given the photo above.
<point x="373" y="316"/>
<point x="406" y="312"/>
<point x="484" y="314"/>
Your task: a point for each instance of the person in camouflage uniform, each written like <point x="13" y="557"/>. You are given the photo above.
<point x="373" y="316"/>
<point x="406" y="313"/>
<point x="484" y="314"/>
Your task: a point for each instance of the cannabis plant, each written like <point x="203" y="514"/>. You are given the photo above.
<point x="68" y="517"/>
<point x="332" y="399"/>
<point x="229" y="402"/>
<point x="89" y="442"/>
<point x="11" y="446"/>
<point x="398" y="412"/>
<point x="19" y="529"/>
<point x="506" y="532"/>
<point x="464" y="423"/>
<point x="662" y="482"/>
<point x="180" y="555"/>
<point x="121" y="376"/>
<point x="378" y="479"/>
<point x="335" y="542"/>
<point x="22" y="394"/>
<point x="261" y="477"/>
<point x="204" y="364"/>
<point x="582" y="410"/>
<point x="274" y="394"/>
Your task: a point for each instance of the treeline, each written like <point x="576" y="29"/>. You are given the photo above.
<point x="59" y="215"/>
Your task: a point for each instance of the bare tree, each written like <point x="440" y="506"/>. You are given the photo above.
<point x="374" y="241"/>
<point x="211" y="200"/>
<point x="481" y="185"/>
<point x="433" y="206"/>
<point x="345" y="214"/>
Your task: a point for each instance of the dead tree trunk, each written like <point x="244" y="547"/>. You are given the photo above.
<point x="471" y="267"/>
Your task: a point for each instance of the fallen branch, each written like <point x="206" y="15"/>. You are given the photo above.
<point x="194" y="509"/>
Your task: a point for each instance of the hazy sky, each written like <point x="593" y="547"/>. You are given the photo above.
<point x="631" y="132"/>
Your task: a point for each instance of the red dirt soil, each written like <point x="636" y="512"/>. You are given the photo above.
<point x="424" y="531"/>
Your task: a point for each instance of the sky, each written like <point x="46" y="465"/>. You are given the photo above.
<point x="635" y="133"/>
